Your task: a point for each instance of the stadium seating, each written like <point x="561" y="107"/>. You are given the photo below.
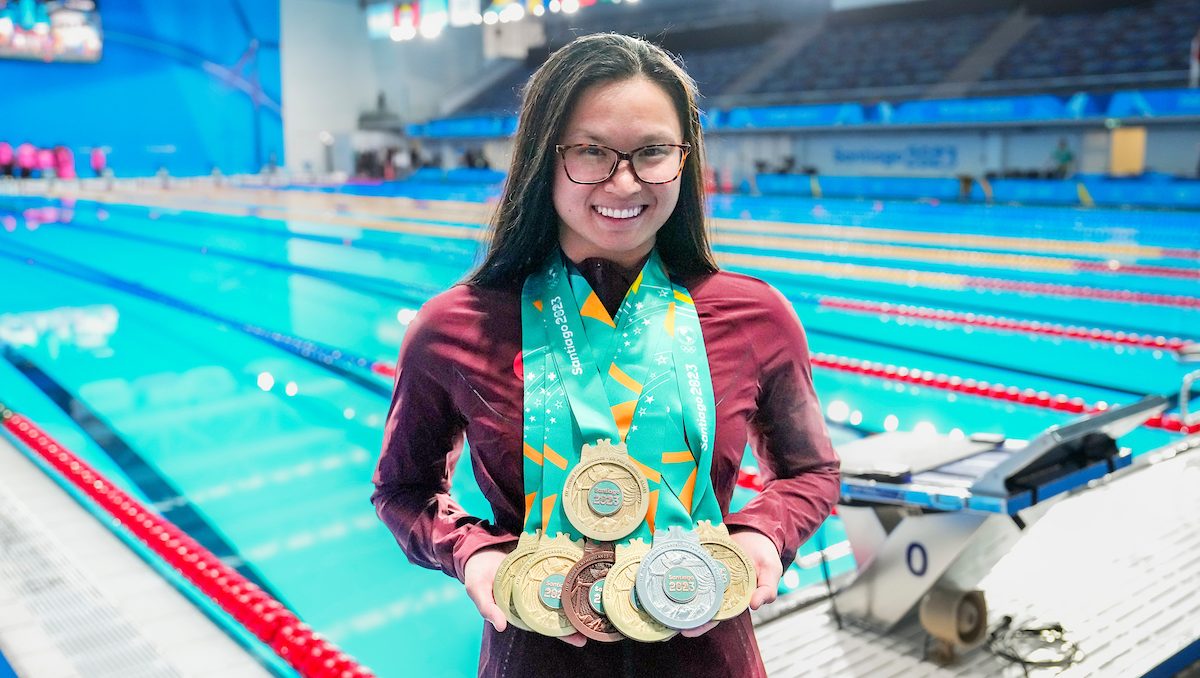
<point x="905" y="52"/>
<point x="1149" y="38"/>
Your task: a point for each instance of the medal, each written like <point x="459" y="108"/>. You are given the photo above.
<point x="583" y="591"/>
<point x="538" y="588"/>
<point x="606" y="496"/>
<point x="621" y="602"/>
<point x="735" y="570"/>
<point x="506" y="576"/>
<point x="677" y="580"/>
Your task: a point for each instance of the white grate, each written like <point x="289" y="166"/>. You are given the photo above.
<point x="83" y="626"/>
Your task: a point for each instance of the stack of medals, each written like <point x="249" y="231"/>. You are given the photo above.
<point x="623" y="535"/>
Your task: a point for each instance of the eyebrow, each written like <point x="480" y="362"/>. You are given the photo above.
<point x="644" y="140"/>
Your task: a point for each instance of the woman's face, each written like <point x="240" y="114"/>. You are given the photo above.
<point x="619" y="218"/>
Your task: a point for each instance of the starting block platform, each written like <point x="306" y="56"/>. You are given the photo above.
<point x="1065" y="531"/>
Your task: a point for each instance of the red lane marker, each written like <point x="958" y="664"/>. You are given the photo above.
<point x="1028" y="396"/>
<point x="1080" y="292"/>
<point x="983" y="389"/>
<point x="1137" y="269"/>
<point x="1011" y="324"/>
<point x="272" y="623"/>
<point x="384" y="369"/>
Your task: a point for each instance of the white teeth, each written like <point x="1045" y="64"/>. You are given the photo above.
<point x="620" y="214"/>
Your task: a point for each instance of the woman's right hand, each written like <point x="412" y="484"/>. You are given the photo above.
<point x="478" y="575"/>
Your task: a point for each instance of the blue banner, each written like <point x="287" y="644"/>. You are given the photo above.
<point x="784" y="184"/>
<point x="794" y="116"/>
<point x="1155" y="104"/>
<point x="1180" y="194"/>
<point x="1045" y="191"/>
<point x="1007" y="109"/>
<point x="484" y="126"/>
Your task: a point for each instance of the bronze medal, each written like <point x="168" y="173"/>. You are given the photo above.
<point x="583" y="591"/>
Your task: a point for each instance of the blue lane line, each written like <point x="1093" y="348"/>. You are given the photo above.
<point x="351" y="367"/>
<point x="406" y="292"/>
<point x="152" y="484"/>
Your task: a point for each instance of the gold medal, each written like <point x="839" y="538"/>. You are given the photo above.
<point x="506" y="576"/>
<point x="605" y="496"/>
<point x="538" y="587"/>
<point x="740" y="576"/>
<point x="620" y="599"/>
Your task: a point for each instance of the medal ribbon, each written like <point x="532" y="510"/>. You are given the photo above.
<point x="657" y="373"/>
<point x="533" y="359"/>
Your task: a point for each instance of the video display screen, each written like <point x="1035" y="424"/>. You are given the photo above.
<point x="50" y="30"/>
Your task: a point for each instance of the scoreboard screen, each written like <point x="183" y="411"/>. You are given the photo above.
<point x="50" y="30"/>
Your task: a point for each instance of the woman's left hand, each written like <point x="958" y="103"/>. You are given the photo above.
<point x="767" y="566"/>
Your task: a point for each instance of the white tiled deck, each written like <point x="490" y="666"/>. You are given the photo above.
<point x="76" y="602"/>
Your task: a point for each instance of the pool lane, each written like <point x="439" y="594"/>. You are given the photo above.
<point x="1126" y="369"/>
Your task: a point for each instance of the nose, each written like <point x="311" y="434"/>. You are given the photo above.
<point x="623" y="181"/>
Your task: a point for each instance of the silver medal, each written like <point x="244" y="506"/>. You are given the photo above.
<point x="678" y="582"/>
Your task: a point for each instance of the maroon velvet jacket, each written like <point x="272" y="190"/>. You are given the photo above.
<point x="456" y="377"/>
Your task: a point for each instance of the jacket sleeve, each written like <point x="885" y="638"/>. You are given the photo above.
<point x="797" y="462"/>
<point x="423" y="441"/>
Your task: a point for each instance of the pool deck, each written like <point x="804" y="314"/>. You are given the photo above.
<point x="76" y="602"/>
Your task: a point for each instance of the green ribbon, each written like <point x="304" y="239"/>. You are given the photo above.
<point x="588" y="377"/>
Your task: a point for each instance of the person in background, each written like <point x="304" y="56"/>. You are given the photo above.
<point x="27" y="160"/>
<point x="64" y="162"/>
<point x="1062" y="160"/>
<point x="45" y="163"/>
<point x="99" y="160"/>
<point x="606" y="179"/>
<point x="6" y="159"/>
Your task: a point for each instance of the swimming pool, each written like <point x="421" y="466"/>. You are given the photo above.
<point x="226" y="359"/>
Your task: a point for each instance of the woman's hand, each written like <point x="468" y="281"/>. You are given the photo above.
<point x="767" y="565"/>
<point x="478" y="575"/>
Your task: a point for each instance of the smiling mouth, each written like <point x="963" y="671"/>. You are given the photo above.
<point x="612" y="213"/>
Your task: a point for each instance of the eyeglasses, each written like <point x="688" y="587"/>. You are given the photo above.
<point x="594" y="164"/>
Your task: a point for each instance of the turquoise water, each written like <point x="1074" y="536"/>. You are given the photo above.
<point x="140" y="323"/>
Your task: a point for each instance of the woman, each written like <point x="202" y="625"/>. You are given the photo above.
<point x="593" y="102"/>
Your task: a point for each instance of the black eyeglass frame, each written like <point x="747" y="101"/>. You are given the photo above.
<point x="562" y="149"/>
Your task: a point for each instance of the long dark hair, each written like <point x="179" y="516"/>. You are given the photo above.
<point x="524" y="228"/>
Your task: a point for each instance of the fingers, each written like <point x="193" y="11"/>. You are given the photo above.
<point x="763" y="595"/>
<point x="699" y="630"/>
<point x="576" y="639"/>
<point x="494" y="616"/>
